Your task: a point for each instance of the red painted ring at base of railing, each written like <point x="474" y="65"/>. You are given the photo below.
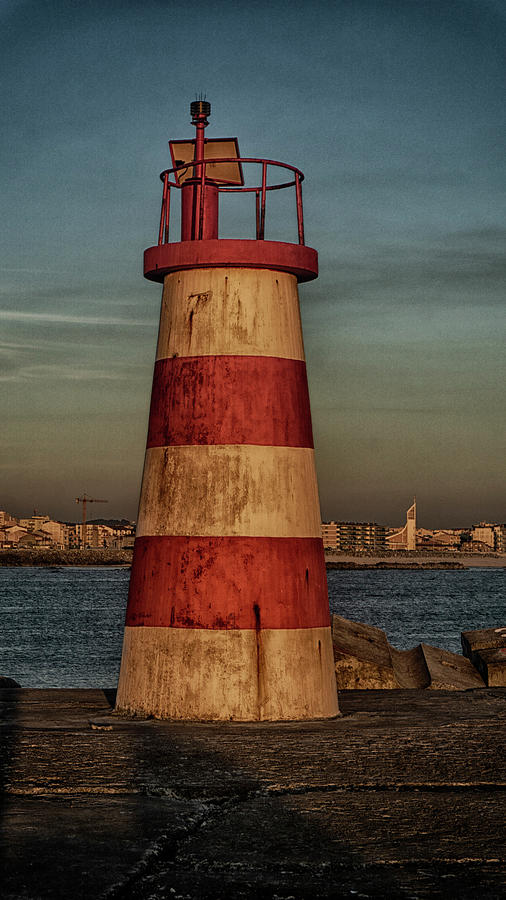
<point x="228" y="583"/>
<point x="297" y="259"/>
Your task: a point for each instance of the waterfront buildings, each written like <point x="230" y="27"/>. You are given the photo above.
<point x="356" y="537"/>
<point x="364" y="536"/>
<point x="42" y="531"/>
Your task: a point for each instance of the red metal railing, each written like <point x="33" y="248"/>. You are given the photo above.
<point x="260" y="192"/>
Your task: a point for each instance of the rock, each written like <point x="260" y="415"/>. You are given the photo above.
<point x="492" y="666"/>
<point x="449" y="671"/>
<point x="482" y="639"/>
<point x="362" y="656"/>
<point x="8" y="682"/>
<point x="364" y="660"/>
<point x="410" y="668"/>
<point x="486" y="648"/>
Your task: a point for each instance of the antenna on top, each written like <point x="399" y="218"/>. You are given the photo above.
<point x="200" y="109"/>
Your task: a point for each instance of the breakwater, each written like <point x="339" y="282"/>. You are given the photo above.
<point x="49" y="557"/>
<point x="395" y="564"/>
<point x="112" y="557"/>
<point x="412" y="559"/>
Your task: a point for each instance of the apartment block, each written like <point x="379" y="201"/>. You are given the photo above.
<point x="353" y="536"/>
<point x="500" y="538"/>
<point x="484" y="532"/>
<point x="494" y="536"/>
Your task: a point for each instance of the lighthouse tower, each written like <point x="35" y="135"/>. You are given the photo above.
<point x="228" y="615"/>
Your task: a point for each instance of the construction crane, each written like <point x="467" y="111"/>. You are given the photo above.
<point x="84" y="500"/>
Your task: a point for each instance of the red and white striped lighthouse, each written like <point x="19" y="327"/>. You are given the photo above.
<point x="228" y="613"/>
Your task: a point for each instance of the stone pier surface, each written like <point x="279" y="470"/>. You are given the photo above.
<point x="401" y="796"/>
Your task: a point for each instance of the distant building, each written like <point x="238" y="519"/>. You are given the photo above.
<point x="484" y="533"/>
<point x="125" y="537"/>
<point x="405" y="538"/>
<point x="500" y="538"/>
<point x="329" y="534"/>
<point x="33" y="523"/>
<point x="6" y="519"/>
<point x="57" y="531"/>
<point x="11" y="535"/>
<point x="477" y="547"/>
<point x="494" y="536"/>
<point x="42" y="531"/>
<point x="353" y="536"/>
<point x="35" y="539"/>
<point x="438" y="539"/>
<point x="99" y="537"/>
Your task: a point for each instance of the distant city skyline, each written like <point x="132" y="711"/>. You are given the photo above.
<point x="394" y="523"/>
<point x="395" y="113"/>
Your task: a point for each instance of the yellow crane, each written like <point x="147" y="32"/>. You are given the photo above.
<point x="84" y="500"/>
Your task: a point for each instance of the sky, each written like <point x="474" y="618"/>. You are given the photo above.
<point x="395" y="112"/>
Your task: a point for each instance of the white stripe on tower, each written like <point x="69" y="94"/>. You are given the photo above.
<point x="244" y="312"/>
<point x="229" y="490"/>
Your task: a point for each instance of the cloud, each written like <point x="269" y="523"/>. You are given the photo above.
<point x="9" y="346"/>
<point x="27" y="270"/>
<point x="65" y="319"/>
<point x="453" y="271"/>
<point x="59" y="372"/>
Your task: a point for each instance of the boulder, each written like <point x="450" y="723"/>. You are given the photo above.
<point x="8" y="682"/>
<point x="486" y="648"/>
<point x="410" y="667"/>
<point x="450" y="671"/>
<point x="362" y="656"/>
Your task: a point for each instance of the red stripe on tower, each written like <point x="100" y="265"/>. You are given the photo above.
<point x="230" y="400"/>
<point x="228" y="582"/>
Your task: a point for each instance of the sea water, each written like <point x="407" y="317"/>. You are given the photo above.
<point x="63" y="627"/>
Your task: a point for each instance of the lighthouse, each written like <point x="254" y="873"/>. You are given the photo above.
<point x="228" y="615"/>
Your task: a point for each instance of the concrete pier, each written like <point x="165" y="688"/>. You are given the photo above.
<point x="401" y="796"/>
